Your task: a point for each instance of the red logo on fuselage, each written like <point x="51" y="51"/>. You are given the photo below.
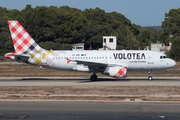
<point x="68" y="60"/>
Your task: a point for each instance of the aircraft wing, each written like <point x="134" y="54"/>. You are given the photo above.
<point x="114" y="69"/>
<point x="98" y="64"/>
<point x="91" y="63"/>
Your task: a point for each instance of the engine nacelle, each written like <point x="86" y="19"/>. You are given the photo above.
<point x="117" y="72"/>
<point x="81" y="68"/>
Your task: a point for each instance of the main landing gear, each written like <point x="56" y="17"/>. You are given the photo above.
<point x="150" y="77"/>
<point x="93" y="77"/>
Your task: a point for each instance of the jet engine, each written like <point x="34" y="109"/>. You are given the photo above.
<point x="117" y="72"/>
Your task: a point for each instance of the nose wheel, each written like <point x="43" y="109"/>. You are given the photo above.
<point x="93" y="77"/>
<point x="150" y="77"/>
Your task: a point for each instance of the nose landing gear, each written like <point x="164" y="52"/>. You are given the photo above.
<point x="150" y="77"/>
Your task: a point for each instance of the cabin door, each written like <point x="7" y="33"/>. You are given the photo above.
<point x="150" y="60"/>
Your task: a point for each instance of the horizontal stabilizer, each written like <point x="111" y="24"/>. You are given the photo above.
<point x="16" y="56"/>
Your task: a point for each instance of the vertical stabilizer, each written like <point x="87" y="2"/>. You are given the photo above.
<point x="22" y="41"/>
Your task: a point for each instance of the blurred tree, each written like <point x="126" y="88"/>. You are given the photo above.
<point x="146" y="38"/>
<point x="171" y="33"/>
<point x="58" y="27"/>
<point x="174" y="52"/>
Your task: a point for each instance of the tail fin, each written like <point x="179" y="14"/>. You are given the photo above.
<point x="23" y="42"/>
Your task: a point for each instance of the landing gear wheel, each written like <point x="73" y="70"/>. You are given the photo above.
<point x="150" y="78"/>
<point x="93" y="77"/>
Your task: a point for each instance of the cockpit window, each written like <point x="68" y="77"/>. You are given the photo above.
<point x="164" y="57"/>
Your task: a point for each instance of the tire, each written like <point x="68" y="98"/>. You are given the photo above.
<point x="93" y="77"/>
<point x="150" y="78"/>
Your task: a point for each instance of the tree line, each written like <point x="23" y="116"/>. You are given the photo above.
<point x="171" y="33"/>
<point x="59" y="27"/>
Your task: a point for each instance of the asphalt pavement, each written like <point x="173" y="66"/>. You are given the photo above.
<point x="79" y="110"/>
<point x="85" y="81"/>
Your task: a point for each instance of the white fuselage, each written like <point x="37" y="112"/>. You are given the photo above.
<point x="132" y="59"/>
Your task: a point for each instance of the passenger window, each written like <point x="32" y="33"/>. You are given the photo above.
<point x="164" y="57"/>
<point x="160" y="57"/>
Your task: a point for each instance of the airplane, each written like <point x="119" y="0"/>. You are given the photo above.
<point x="114" y="63"/>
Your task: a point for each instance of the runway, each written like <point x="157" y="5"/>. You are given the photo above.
<point x="78" y="110"/>
<point x="85" y="81"/>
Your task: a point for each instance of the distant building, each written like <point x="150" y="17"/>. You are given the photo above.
<point x="109" y="43"/>
<point x="160" y="47"/>
<point x="78" y="46"/>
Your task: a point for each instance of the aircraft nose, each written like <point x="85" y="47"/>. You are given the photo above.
<point x="173" y="63"/>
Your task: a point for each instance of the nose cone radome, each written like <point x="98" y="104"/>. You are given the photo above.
<point x="173" y="63"/>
